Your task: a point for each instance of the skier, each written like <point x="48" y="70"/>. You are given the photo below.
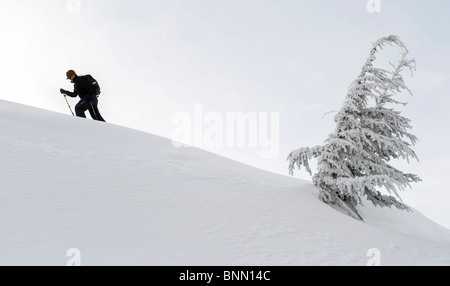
<point x="88" y="97"/>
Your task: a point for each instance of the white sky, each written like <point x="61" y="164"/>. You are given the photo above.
<point x="156" y="60"/>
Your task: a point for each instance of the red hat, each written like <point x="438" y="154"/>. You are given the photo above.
<point x="70" y="73"/>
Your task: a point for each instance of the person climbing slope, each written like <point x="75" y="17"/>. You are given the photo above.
<point x="88" y="90"/>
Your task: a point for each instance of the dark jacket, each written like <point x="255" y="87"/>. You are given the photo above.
<point x="82" y="88"/>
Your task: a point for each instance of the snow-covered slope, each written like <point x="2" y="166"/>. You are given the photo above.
<point x="124" y="197"/>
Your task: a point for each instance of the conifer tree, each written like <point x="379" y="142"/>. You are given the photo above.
<point x="354" y="161"/>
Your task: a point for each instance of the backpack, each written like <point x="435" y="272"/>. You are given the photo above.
<point x="94" y="84"/>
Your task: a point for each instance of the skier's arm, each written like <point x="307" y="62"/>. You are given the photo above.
<point x="71" y="94"/>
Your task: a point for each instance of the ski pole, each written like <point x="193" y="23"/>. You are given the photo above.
<point x="68" y="105"/>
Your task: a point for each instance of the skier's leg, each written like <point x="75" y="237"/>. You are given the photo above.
<point x="80" y="108"/>
<point x="93" y="110"/>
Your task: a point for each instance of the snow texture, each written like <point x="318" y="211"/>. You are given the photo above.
<point x="124" y="197"/>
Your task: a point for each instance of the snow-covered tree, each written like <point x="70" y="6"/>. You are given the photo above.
<point x="354" y="161"/>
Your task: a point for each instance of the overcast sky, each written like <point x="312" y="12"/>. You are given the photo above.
<point x="188" y="68"/>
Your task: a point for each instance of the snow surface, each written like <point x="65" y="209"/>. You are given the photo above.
<point x="125" y="197"/>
